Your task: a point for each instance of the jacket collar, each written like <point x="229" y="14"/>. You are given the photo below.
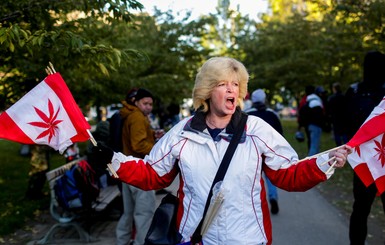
<point x="198" y="121"/>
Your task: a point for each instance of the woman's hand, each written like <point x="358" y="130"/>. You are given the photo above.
<point x="340" y="155"/>
<point x="103" y="154"/>
<point x="159" y="133"/>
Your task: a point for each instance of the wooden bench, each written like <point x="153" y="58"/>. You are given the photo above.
<point x="71" y="219"/>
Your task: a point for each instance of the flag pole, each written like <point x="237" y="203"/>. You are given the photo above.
<point x="330" y="159"/>
<point x="109" y="166"/>
<point x="331" y="167"/>
<point x="324" y="152"/>
<point x="51" y="70"/>
<point x="51" y="65"/>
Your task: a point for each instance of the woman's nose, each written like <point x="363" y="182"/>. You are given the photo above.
<point x="230" y="87"/>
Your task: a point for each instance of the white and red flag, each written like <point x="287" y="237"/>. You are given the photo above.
<point x="368" y="157"/>
<point x="46" y="115"/>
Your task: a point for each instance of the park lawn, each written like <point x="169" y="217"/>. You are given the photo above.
<point x="15" y="210"/>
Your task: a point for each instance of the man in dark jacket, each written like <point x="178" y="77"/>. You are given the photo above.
<point x="362" y="98"/>
<point x="337" y="113"/>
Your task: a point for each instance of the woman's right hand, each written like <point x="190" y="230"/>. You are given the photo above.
<point x="103" y="154"/>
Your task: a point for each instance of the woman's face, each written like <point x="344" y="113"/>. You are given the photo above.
<point x="145" y="105"/>
<point x="224" y="97"/>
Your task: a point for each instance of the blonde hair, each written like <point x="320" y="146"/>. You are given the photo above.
<point x="212" y="72"/>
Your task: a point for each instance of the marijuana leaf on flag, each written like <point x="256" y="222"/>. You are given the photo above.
<point x="368" y="157"/>
<point x="46" y="115"/>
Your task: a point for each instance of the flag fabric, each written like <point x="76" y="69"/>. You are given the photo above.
<point x="368" y="156"/>
<point x="46" y="115"/>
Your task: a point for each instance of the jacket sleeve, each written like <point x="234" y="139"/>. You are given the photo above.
<point x="156" y="170"/>
<point x="140" y="174"/>
<point x="280" y="161"/>
<point x="301" y="176"/>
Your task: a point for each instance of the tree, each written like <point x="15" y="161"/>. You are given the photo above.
<point x="34" y="33"/>
<point x="172" y="56"/>
<point x="323" y="43"/>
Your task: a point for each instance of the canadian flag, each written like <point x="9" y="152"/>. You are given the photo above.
<point x="46" y="115"/>
<point x="368" y="157"/>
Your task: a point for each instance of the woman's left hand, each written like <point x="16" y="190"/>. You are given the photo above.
<point x="340" y="155"/>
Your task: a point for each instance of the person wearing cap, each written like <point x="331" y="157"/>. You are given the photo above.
<point x="260" y="109"/>
<point x="137" y="140"/>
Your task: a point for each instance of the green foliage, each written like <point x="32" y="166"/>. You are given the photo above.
<point x="33" y="34"/>
<point x="171" y="61"/>
<point x="102" y="58"/>
<point x="102" y="50"/>
<point x="317" y="44"/>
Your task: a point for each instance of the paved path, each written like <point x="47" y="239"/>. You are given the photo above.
<point x="308" y="218"/>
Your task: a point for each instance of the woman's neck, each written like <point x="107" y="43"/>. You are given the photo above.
<point x="214" y="121"/>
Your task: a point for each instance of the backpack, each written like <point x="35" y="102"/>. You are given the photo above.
<point x="116" y="130"/>
<point x="312" y="114"/>
<point x="78" y="187"/>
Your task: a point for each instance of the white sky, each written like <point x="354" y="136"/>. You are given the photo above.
<point x="199" y="7"/>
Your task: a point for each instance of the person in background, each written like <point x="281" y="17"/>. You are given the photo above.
<point x="247" y="103"/>
<point x="260" y="109"/>
<point x="310" y="89"/>
<point x="312" y="118"/>
<point x="72" y="153"/>
<point x="337" y="113"/>
<point x="101" y="134"/>
<point x="323" y="95"/>
<point x="362" y="97"/>
<point x="195" y="147"/>
<point x="137" y="140"/>
<point x="173" y="116"/>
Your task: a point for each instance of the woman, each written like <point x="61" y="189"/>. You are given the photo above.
<point x="197" y="145"/>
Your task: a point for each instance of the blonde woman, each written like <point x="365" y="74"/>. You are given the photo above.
<point x="197" y="145"/>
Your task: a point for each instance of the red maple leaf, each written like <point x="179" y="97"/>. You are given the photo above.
<point x="358" y="150"/>
<point x="380" y="148"/>
<point x="48" y="122"/>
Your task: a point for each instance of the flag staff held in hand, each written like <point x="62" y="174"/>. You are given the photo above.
<point x="109" y="166"/>
<point x="51" y="70"/>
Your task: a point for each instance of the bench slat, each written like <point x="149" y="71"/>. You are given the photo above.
<point x="106" y="196"/>
<point x="61" y="170"/>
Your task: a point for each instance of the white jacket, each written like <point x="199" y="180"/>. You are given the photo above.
<point x="244" y="215"/>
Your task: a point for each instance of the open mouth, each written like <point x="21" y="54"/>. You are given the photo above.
<point x="230" y="103"/>
<point x="232" y="100"/>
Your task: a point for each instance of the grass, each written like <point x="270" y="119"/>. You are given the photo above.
<point x="15" y="211"/>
